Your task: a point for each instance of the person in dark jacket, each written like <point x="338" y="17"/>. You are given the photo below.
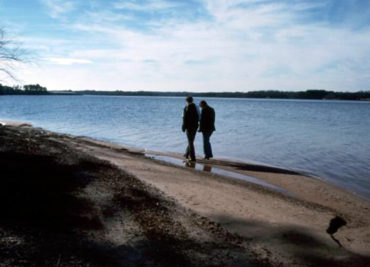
<point x="190" y="126"/>
<point x="207" y="127"/>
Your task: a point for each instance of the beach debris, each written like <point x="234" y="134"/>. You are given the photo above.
<point x="335" y="223"/>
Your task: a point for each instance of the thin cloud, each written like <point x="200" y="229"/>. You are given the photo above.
<point x="149" y="5"/>
<point x="58" y="7"/>
<point x="68" y="61"/>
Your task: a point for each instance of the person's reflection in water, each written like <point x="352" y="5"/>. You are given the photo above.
<point x="190" y="164"/>
<point x="207" y="168"/>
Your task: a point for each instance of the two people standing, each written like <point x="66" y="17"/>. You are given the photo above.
<point x="194" y="120"/>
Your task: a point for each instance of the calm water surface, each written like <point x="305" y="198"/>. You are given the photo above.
<point x="327" y="138"/>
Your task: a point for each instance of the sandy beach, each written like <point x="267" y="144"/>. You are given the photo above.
<point x="76" y="201"/>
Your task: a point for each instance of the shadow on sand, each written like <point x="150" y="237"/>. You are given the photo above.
<point x="48" y="220"/>
<point x="306" y="248"/>
<point x="41" y="219"/>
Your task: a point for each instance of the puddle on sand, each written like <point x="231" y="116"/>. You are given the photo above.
<point x="209" y="168"/>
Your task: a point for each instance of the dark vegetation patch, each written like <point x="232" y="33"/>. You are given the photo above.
<point x="42" y="220"/>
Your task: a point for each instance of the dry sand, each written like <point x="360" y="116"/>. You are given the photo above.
<point x="270" y="227"/>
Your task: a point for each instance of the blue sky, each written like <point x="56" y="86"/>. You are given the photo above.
<point x="193" y="45"/>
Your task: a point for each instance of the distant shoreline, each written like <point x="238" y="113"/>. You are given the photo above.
<point x="268" y="94"/>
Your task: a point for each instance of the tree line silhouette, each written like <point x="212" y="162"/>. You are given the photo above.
<point x="36" y="89"/>
<point x="30" y="89"/>
<point x="274" y="94"/>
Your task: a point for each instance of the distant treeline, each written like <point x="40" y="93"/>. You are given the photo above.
<point x="308" y="94"/>
<point x="30" y="89"/>
<point x="36" y="89"/>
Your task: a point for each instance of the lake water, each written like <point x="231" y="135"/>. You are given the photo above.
<point x="330" y="139"/>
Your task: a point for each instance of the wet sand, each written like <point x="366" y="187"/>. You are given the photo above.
<point x="201" y="214"/>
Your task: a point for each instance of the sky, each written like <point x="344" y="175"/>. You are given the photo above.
<point x="191" y="45"/>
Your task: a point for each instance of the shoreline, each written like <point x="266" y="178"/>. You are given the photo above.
<point x="309" y="94"/>
<point x="173" y="158"/>
<point x="273" y="227"/>
<point x="227" y="164"/>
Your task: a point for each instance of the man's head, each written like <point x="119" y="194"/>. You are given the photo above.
<point x="203" y="104"/>
<point x="189" y="99"/>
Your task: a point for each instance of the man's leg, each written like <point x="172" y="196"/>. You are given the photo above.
<point x="191" y="150"/>
<point x="186" y="155"/>
<point x="207" y="145"/>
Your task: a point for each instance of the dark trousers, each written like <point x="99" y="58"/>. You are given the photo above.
<point x="206" y="144"/>
<point x="190" y="150"/>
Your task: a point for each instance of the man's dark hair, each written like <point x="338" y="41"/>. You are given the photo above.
<point x="189" y="99"/>
<point x="203" y="102"/>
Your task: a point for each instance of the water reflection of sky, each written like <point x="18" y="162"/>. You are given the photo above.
<point x="209" y="168"/>
<point x="327" y="138"/>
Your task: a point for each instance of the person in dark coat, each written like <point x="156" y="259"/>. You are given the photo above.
<point x="190" y="126"/>
<point x="207" y="127"/>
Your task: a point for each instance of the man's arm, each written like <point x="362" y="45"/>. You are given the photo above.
<point x="201" y="120"/>
<point x="195" y="113"/>
<point x="184" y="120"/>
<point x="213" y="118"/>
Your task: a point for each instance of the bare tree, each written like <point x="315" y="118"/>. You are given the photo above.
<point x="10" y="54"/>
